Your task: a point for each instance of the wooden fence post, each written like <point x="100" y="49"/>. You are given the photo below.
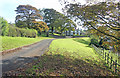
<point x="115" y="66"/>
<point x="103" y="52"/>
<point x="111" y="63"/>
<point x="105" y="56"/>
<point x="108" y="59"/>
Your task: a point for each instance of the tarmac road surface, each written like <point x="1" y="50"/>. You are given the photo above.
<point x="26" y="55"/>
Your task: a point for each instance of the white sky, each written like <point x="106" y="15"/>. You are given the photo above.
<point x="8" y="7"/>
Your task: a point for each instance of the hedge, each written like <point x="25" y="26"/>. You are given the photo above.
<point x="22" y="32"/>
<point x="13" y="31"/>
<point x="3" y="27"/>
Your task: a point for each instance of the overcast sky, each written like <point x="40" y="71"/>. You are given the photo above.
<point x="8" y="7"/>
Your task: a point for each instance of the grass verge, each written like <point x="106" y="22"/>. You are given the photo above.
<point x="14" y="42"/>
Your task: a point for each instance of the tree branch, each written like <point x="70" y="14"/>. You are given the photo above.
<point x="109" y="24"/>
<point x="103" y="32"/>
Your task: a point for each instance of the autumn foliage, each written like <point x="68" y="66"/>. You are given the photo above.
<point x="40" y="26"/>
<point x="27" y="16"/>
<point x="101" y="19"/>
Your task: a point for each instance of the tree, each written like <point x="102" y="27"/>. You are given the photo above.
<point x="63" y="23"/>
<point x="26" y="15"/>
<point x="71" y="26"/>
<point x="57" y="21"/>
<point x="4" y="27"/>
<point x="29" y="17"/>
<point x="101" y="18"/>
<point x="40" y="26"/>
<point x="50" y="15"/>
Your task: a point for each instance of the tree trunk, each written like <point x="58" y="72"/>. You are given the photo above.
<point x="70" y="32"/>
<point x="66" y="33"/>
<point x="39" y="32"/>
<point x="47" y="33"/>
<point x="52" y="30"/>
<point x="61" y="33"/>
<point x="28" y="21"/>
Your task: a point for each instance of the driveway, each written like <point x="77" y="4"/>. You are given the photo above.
<point x="26" y="55"/>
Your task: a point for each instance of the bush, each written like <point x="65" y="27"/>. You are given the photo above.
<point x="18" y="32"/>
<point x="10" y="30"/>
<point x="63" y="35"/>
<point x="21" y="32"/>
<point x="4" y="27"/>
<point x="95" y="42"/>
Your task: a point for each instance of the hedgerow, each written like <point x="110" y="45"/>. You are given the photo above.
<point x="13" y="31"/>
<point x="22" y="32"/>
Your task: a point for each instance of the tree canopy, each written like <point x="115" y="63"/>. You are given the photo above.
<point x="26" y="14"/>
<point x="29" y="17"/>
<point x="58" y="21"/>
<point x="100" y="18"/>
<point x="50" y="15"/>
<point x="40" y="26"/>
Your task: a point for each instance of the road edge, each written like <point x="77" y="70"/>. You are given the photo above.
<point x="18" y="48"/>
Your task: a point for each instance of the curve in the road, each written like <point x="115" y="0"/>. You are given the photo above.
<point x="20" y="58"/>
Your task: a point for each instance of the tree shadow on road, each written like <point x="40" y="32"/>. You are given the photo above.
<point x="16" y="63"/>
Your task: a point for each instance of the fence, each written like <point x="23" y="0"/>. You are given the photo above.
<point x="112" y="64"/>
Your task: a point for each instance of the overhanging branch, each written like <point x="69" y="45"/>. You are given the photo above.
<point x="103" y="32"/>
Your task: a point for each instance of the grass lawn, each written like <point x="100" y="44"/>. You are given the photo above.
<point x="68" y="57"/>
<point x="72" y="48"/>
<point x="14" y="42"/>
<point x="54" y="34"/>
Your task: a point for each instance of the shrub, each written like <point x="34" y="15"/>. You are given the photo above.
<point x="95" y="42"/>
<point x="18" y="32"/>
<point x="11" y="30"/>
<point x="21" y="32"/>
<point x="4" y="27"/>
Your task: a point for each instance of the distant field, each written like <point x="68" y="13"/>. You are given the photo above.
<point x="14" y="42"/>
<point x="69" y="57"/>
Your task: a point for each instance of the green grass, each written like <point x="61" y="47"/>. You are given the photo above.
<point x="82" y="35"/>
<point x="87" y="41"/>
<point x="14" y="42"/>
<point x="44" y="35"/>
<point x="54" y="34"/>
<point x="69" y="57"/>
<point x="73" y="47"/>
<point x="113" y="55"/>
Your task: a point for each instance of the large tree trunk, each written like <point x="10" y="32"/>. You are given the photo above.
<point x="66" y="33"/>
<point x="47" y="33"/>
<point x="70" y="32"/>
<point x="28" y="21"/>
<point x="52" y="30"/>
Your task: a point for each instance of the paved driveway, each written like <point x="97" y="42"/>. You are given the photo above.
<point x="21" y="57"/>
